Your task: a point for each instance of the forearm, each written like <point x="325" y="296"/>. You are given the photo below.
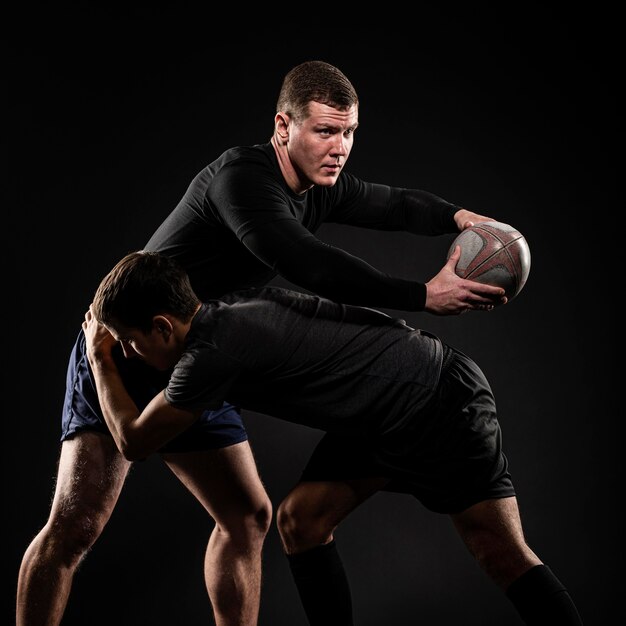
<point x="137" y="433"/>
<point x="338" y="275"/>
<point x="304" y="260"/>
<point x="118" y="408"/>
<point x="424" y="213"/>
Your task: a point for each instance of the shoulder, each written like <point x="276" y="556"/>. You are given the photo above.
<point x="256" y="157"/>
<point x="347" y="187"/>
<point x="245" y="170"/>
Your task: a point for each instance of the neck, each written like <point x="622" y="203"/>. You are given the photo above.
<point x="180" y="329"/>
<point x="286" y="166"/>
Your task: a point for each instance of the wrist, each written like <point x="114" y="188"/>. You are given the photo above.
<point x="101" y="360"/>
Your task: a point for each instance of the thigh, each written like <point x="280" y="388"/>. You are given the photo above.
<point x="225" y="480"/>
<point x="90" y="477"/>
<point x="340" y="474"/>
<point x="330" y="500"/>
<point x="311" y="512"/>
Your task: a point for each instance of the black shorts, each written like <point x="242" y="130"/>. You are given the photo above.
<point x="449" y="457"/>
<point x="81" y="408"/>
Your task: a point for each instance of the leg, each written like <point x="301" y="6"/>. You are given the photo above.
<point x="492" y="531"/>
<point x="90" y="477"/>
<point x="225" y="481"/>
<point x="307" y="519"/>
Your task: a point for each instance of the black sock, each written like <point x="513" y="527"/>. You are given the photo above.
<point x="323" y="586"/>
<point x="541" y="599"/>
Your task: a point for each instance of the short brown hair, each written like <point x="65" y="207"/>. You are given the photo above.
<point x="144" y="284"/>
<point x="318" y="81"/>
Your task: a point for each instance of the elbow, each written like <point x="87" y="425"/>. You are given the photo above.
<point x="316" y="280"/>
<point x="132" y="454"/>
<point x="133" y="448"/>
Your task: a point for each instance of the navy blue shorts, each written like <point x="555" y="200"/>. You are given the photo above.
<point x="81" y="408"/>
<point x="450" y="457"/>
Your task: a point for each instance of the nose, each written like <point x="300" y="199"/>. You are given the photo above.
<point x="340" y="146"/>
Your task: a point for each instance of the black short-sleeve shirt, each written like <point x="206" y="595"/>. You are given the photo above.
<point x="304" y="358"/>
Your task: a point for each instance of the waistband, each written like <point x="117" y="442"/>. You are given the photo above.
<point x="448" y="356"/>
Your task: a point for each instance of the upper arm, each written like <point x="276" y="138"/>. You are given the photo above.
<point x="381" y="207"/>
<point x="279" y="241"/>
<point x="368" y="205"/>
<point x="243" y="198"/>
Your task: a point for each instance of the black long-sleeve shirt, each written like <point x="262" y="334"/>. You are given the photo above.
<point x="308" y="360"/>
<point x="239" y="225"/>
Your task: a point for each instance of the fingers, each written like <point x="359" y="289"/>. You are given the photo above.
<point x="453" y="259"/>
<point x="449" y="294"/>
<point x="91" y="323"/>
<point x="87" y="319"/>
<point x="482" y="297"/>
<point x="484" y="290"/>
<point x="482" y="294"/>
<point x="486" y="304"/>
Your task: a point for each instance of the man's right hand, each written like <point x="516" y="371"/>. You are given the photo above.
<point x="98" y="340"/>
<point x="449" y="294"/>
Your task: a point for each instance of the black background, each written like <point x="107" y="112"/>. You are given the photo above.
<point x="512" y="116"/>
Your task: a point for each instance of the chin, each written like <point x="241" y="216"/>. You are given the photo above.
<point x="326" y="181"/>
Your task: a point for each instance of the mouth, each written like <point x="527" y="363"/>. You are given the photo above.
<point x="332" y="167"/>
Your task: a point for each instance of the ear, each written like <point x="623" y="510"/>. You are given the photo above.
<point x="281" y="126"/>
<point x="162" y="325"/>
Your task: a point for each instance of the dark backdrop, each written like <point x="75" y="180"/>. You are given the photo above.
<point x="512" y="117"/>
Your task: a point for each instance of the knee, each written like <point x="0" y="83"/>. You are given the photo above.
<point x="71" y="533"/>
<point x="248" y="529"/>
<point x="300" y="528"/>
<point x="261" y="518"/>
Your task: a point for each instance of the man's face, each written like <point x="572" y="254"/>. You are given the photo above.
<point x="319" y="146"/>
<point x="152" y="347"/>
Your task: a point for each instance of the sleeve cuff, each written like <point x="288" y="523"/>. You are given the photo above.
<point x="417" y="296"/>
